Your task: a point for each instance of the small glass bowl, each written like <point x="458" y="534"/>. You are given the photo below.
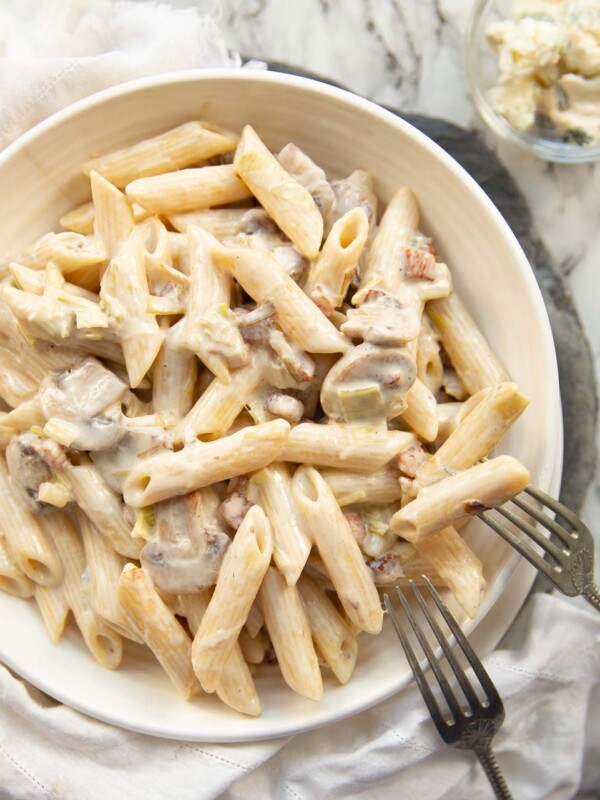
<point x="482" y="73"/>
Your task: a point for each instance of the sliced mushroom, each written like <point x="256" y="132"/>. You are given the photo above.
<point x="409" y="460"/>
<point x="86" y="400"/>
<point x="355" y="191"/>
<point x="382" y="320"/>
<point x="258" y="230"/>
<point x="310" y="175"/>
<point x="186" y="555"/>
<point x="368" y="382"/>
<point x="135" y="442"/>
<point x="31" y="460"/>
<point x="258" y="329"/>
<point x="256" y="221"/>
<point x="291" y="260"/>
<point x="234" y="508"/>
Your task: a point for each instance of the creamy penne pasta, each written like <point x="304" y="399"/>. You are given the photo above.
<point x="240" y="397"/>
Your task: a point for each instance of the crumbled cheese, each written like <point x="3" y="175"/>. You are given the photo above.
<point x="549" y="63"/>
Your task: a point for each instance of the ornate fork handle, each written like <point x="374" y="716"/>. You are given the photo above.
<point x="592" y="595"/>
<point x="490" y="764"/>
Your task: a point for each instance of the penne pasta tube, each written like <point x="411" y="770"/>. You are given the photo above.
<point x="448" y="414"/>
<point x="267" y="282"/>
<point x="311" y="176"/>
<point x="471" y="356"/>
<point x="218" y="406"/>
<point x="124" y="295"/>
<point x="30" y="549"/>
<point x="253" y="648"/>
<point x="358" y="487"/>
<point x="172" y="150"/>
<point x="37" y="357"/>
<point x="271" y="489"/>
<point x="219" y="222"/>
<point x="240" y="577"/>
<point x="235" y="687"/>
<point x="284" y="199"/>
<point x="12" y="579"/>
<point x="400" y="220"/>
<point x="286" y="622"/>
<point x="101" y="640"/>
<point x="255" y="620"/>
<point x="16" y="385"/>
<point x="188" y="189"/>
<point x="102" y="506"/>
<point x="430" y="368"/>
<point x="54" y="609"/>
<point x="210" y="329"/>
<point x="34" y="281"/>
<point x="70" y="252"/>
<point x="365" y="448"/>
<point x="338" y="549"/>
<point x="168" y="287"/>
<point x="167" y="474"/>
<point x="62" y="319"/>
<point x="174" y="375"/>
<point x="486" y="485"/>
<point x="420" y="413"/>
<point x="333" y="639"/>
<point x="105" y="566"/>
<point x="477" y="434"/>
<point x="330" y="273"/>
<point x="81" y="219"/>
<point x="457" y="565"/>
<point x="158" y="627"/>
<point x="113" y="215"/>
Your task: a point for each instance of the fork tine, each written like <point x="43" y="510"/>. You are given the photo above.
<point x="522" y="547"/>
<point x="538" y="537"/>
<point x="449" y="695"/>
<point x="462" y="679"/>
<point x="558" y="508"/>
<point x="544" y="519"/>
<point x="462" y="641"/>
<point x="413" y="661"/>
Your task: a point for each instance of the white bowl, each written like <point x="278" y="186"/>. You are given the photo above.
<point x="40" y="178"/>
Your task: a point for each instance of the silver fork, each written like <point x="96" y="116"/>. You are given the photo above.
<point x="568" y="561"/>
<point x="474" y="728"/>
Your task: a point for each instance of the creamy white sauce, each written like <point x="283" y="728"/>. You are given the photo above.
<point x="186" y="554"/>
<point x="87" y="399"/>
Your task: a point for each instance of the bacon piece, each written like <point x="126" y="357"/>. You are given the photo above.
<point x="409" y="460"/>
<point x="386" y="569"/>
<point x="419" y="265"/>
<point x="321" y="301"/>
<point x="234" y="508"/>
<point x="357" y="526"/>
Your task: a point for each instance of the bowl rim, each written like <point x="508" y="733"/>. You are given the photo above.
<point x="546" y="149"/>
<point x="553" y="463"/>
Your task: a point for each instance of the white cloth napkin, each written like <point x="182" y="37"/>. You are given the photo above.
<point x="550" y="684"/>
<point x="548" y="674"/>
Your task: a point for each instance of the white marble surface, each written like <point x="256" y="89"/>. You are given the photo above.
<point x="410" y="54"/>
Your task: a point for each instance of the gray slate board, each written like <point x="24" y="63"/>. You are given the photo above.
<point x="575" y="365"/>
